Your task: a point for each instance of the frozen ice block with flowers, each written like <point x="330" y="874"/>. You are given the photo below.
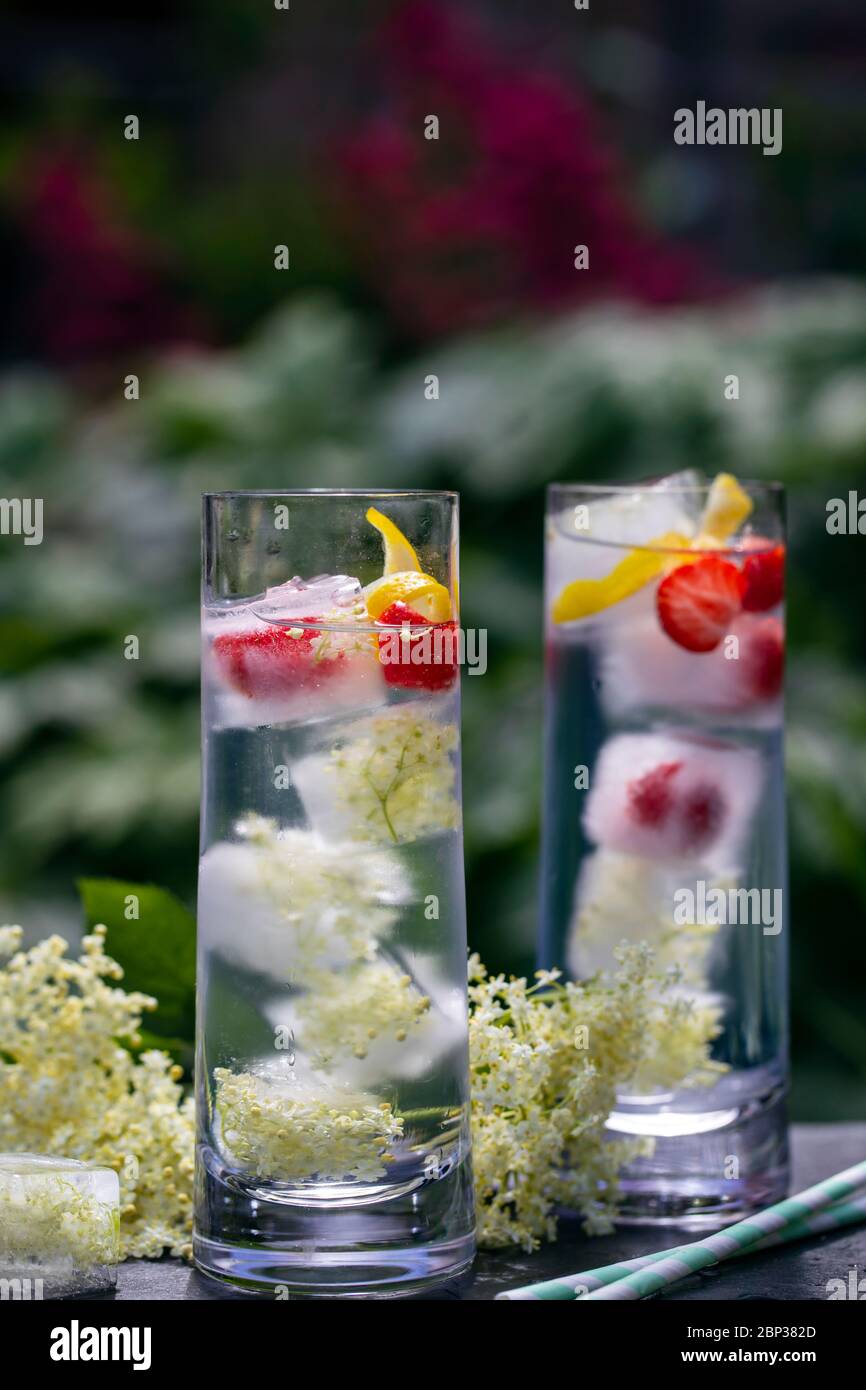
<point x="332" y="1076"/>
<point x="59" y="1226"/>
<point x="664" y="792"/>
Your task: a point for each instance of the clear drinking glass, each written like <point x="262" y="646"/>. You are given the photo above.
<point x="664" y="812"/>
<point x="333" y="1129"/>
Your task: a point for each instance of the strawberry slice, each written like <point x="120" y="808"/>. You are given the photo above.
<point x="697" y="602"/>
<point x="764" y="579"/>
<point x="272" y="662"/>
<point x="425" y="660"/>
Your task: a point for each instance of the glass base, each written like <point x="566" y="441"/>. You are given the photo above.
<point x="717" y="1155"/>
<point x="332" y="1240"/>
<point x="301" y="1271"/>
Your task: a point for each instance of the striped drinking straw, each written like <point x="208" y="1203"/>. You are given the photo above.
<point x="810" y="1213"/>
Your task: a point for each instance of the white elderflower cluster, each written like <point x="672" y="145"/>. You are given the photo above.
<point x="397" y="778"/>
<point x="69" y="1087"/>
<point x="675" y="1056"/>
<point x="47" y="1221"/>
<point x="343" y="1014"/>
<point x="333" y="642"/>
<point x="278" y="1126"/>
<point x="627" y="897"/>
<point x="290" y="903"/>
<point x="546" y="1063"/>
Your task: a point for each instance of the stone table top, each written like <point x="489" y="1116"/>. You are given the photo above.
<point x="799" y="1271"/>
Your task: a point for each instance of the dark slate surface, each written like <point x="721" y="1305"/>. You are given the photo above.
<point x="800" y="1271"/>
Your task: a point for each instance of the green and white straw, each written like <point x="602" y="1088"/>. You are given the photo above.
<point x="818" y="1209"/>
<point x="571" y="1286"/>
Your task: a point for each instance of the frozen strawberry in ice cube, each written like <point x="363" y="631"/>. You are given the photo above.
<point x="420" y="655"/>
<point x="671" y="796"/>
<point x="272" y="661"/>
<point x="651" y="797"/>
<point x="763" y="576"/>
<point x="762" y="657"/>
<point x="689" y="814"/>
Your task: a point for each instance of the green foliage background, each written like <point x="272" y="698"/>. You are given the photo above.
<point x="319" y="386"/>
<point x="100" y="753"/>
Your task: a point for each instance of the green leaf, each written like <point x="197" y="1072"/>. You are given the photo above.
<point x="180" y="1050"/>
<point x="156" y="948"/>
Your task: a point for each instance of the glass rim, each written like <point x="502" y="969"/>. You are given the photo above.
<point x="769" y="494"/>
<point x="418" y="492"/>
<point x="771" y="487"/>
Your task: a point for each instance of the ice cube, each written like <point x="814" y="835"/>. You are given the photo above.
<point x="315" y="779"/>
<point x="390" y="778"/>
<point x="267" y="664"/>
<point x="59" y="1226"/>
<point x="283" y="1121"/>
<point x="357" y="687"/>
<point x="641" y="668"/>
<point x="365" y="1027"/>
<point x="329" y="594"/>
<point x="293" y="903"/>
<point x="626" y="897"/>
<point x="673" y="796"/>
<point x="586" y="540"/>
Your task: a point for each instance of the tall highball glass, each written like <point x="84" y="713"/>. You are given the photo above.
<point x="333" y="1127"/>
<point x="665" y="815"/>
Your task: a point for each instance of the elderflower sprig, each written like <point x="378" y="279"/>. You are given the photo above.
<point x="333" y="641"/>
<point x="46" y="1220"/>
<point x="546" y="1063"/>
<point x="290" y="903"/>
<point x="68" y="1087"/>
<point x="611" y="884"/>
<point x="397" y="777"/>
<point x="277" y="1127"/>
<point x="344" y="1013"/>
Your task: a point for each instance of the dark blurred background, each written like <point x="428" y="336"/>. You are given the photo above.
<point x="154" y="257"/>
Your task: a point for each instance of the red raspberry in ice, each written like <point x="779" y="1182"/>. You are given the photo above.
<point x="762" y="654"/>
<point x="688" y="817"/>
<point x="273" y="661"/>
<point x="651" y="797"/>
<point x="763" y="577"/>
<point x="425" y="660"/>
<point x="697" y="602"/>
<point x="700" y="817"/>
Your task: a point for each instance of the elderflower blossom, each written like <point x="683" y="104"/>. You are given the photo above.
<point x="68" y="1086"/>
<point x="290" y="903"/>
<point x="333" y="642"/>
<point x="546" y="1063"/>
<point x="344" y="1013"/>
<point x="397" y="777"/>
<point x="48" y="1221"/>
<point x="610" y="887"/>
<point x="283" y="1128"/>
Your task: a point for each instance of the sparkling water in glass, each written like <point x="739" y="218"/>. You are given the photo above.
<point x="664" y="818"/>
<point x="332" y="1081"/>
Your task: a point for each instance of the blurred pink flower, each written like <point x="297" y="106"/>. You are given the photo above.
<point x="97" y="286"/>
<point x="484" y="221"/>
